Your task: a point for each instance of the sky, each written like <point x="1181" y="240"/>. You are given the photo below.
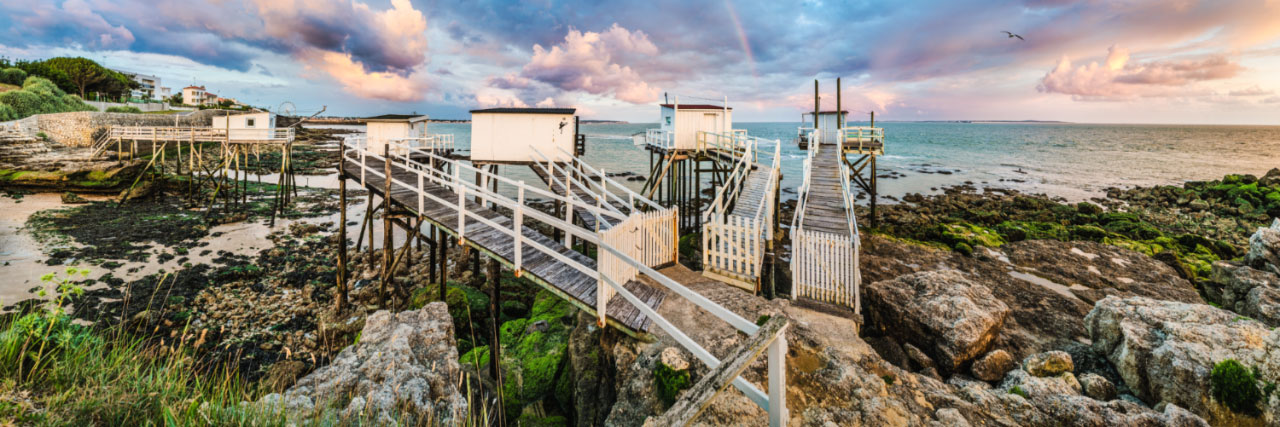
<point x="1125" y="61"/>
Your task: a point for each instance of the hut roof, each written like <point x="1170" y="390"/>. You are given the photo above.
<point x="524" y="111"/>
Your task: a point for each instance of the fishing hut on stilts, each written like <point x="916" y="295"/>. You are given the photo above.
<point x="213" y="161"/>
<point x="726" y="184"/>
<point x="825" y="240"/>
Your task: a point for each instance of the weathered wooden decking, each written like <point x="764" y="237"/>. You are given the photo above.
<point x="753" y="194"/>
<point x="556" y="184"/>
<point x="825" y="207"/>
<point x="559" y="278"/>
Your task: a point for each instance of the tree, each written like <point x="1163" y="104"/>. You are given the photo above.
<point x="82" y="72"/>
<point x="176" y="99"/>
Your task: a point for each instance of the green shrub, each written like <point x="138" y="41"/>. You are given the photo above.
<point x="1019" y="391"/>
<point x="1236" y="387"/>
<point x="13" y="76"/>
<point x="7" y="113"/>
<point x="670" y="382"/>
<point x="124" y="109"/>
<point x="40" y="96"/>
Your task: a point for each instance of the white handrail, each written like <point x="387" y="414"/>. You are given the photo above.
<point x="632" y="195"/>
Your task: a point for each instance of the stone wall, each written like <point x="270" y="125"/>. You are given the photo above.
<point x="145" y="106"/>
<point x="80" y="129"/>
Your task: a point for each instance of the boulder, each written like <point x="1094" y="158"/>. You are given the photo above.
<point x="1092" y="271"/>
<point x="1164" y="351"/>
<point x="1248" y="291"/>
<point x="1264" y="248"/>
<point x="1097" y="387"/>
<point x="993" y="366"/>
<point x="1048" y="364"/>
<point x="1039" y="387"/>
<point x="943" y="313"/>
<point x="672" y="357"/>
<point x="404" y="370"/>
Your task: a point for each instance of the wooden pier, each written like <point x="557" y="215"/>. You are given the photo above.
<point x="638" y="240"/>
<point x="544" y="261"/>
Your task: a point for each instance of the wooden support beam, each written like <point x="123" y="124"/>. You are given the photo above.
<point x="698" y="397"/>
<point x="494" y="274"/>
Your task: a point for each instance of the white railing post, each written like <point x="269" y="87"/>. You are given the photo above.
<point x="462" y="203"/>
<point x="778" y="380"/>
<point x="362" y="169"/>
<point x="518" y="224"/>
<point x="568" y="207"/>
<point x="421" y="197"/>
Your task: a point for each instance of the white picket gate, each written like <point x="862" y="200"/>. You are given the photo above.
<point x="647" y="237"/>
<point x="824" y="267"/>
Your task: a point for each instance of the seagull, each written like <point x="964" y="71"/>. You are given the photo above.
<point x="1012" y="35"/>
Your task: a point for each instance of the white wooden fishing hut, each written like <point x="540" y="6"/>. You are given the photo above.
<point x="680" y="124"/>
<point x="404" y="130"/>
<point x="524" y="135"/>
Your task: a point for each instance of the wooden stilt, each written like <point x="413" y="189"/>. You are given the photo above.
<point x="340" y="300"/>
<point x="495" y="346"/>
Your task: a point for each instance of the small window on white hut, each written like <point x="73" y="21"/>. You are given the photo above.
<point x="248" y="123"/>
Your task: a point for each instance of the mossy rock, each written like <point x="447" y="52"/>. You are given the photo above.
<point x="1088" y="232"/>
<point x="670" y="382"/>
<point x="534" y="352"/>
<point x="969" y="234"/>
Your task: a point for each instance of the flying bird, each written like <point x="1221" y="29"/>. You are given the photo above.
<point x="1012" y="35"/>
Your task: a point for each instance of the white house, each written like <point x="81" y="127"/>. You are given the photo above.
<point x="256" y="126"/>
<point x="510" y="135"/>
<point x="400" y="128"/>
<point x="681" y="123"/>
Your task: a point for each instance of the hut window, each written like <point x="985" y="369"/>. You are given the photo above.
<point x="248" y="122"/>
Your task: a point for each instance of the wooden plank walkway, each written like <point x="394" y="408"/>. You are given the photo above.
<point x="557" y="186"/>
<point x="824" y="209"/>
<point x="752" y="194"/>
<point x="561" y="279"/>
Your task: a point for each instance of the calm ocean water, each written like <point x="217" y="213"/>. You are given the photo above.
<point x="1074" y="161"/>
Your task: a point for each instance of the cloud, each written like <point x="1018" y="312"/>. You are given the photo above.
<point x="356" y="80"/>
<point x="1254" y="90"/>
<point x="75" y="22"/>
<point x="390" y="40"/>
<point x="1119" y="78"/>
<point x="589" y="61"/>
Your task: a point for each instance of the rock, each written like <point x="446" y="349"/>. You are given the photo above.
<point x="891" y="351"/>
<point x="1092" y="271"/>
<point x="1097" y="387"/>
<point x="1164" y="351"/>
<point x="1048" y="364"/>
<point x="283" y="374"/>
<point x="405" y="368"/>
<point x="73" y="198"/>
<point x="1264" y="248"/>
<point x="950" y="417"/>
<point x="993" y="366"/>
<point x="949" y="317"/>
<point x="1248" y="291"/>
<point x="1037" y="387"/>
<point x="592" y="376"/>
<point x="672" y="357"/>
<point x="919" y="360"/>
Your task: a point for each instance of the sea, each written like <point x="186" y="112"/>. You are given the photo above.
<point x="1067" y="160"/>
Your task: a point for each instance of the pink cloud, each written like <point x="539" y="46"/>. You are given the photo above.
<point x="359" y="82"/>
<point x="590" y="62"/>
<point x="1119" y="78"/>
<point x="76" y="16"/>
